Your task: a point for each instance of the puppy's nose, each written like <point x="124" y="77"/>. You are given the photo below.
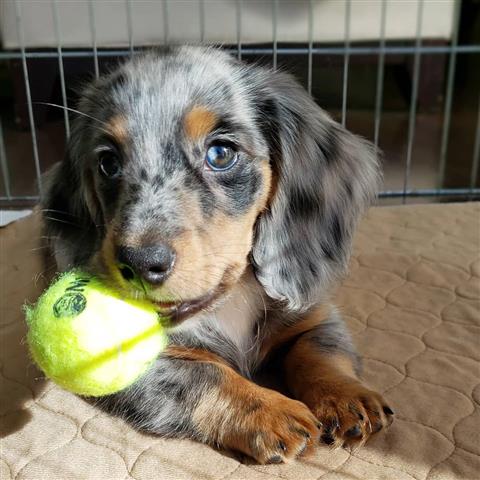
<point x="151" y="264"/>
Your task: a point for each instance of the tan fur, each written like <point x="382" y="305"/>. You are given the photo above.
<point x="243" y="416"/>
<point x="106" y="256"/>
<point x="106" y="259"/>
<point x="91" y="199"/>
<point x="194" y="354"/>
<point x="328" y="385"/>
<point x="199" y="122"/>
<point x="307" y="323"/>
<point x="214" y="252"/>
<point x="117" y="127"/>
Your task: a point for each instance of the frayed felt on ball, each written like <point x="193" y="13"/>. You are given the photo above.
<point x="88" y="339"/>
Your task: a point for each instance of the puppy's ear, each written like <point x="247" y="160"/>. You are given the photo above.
<point x="69" y="223"/>
<point x="324" y="178"/>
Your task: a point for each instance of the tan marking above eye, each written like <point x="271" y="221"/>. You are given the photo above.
<point x="199" y="122"/>
<point x="117" y="128"/>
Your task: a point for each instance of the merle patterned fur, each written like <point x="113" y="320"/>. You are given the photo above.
<point x="323" y="179"/>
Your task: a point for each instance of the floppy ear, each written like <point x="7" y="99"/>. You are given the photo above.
<point x="324" y="178"/>
<point x="68" y="218"/>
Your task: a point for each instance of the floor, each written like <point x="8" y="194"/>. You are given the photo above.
<point x="9" y="216"/>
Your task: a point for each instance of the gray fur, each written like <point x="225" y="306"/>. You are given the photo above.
<point x="326" y="178"/>
<point x="332" y="336"/>
<point x="303" y="246"/>
<point x="163" y="400"/>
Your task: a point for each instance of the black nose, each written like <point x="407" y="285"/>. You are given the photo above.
<point x="152" y="264"/>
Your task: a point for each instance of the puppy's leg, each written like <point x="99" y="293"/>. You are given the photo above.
<point x="193" y="393"/>
<point x="322" y="371"/>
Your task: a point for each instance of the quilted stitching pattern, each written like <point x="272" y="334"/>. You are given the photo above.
<point x="412" y="300"/>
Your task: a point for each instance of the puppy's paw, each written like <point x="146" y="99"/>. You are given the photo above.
<point x="274" y="428"/>
<point x="349" y="414"/>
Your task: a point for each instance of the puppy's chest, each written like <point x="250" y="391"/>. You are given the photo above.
<point x="232" y="329"/>
<point x="237" y="319"/>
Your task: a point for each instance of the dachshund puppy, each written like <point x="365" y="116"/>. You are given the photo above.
<point x="222" y="193"/>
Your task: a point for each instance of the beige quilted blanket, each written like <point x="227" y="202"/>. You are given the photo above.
<point x="412" y="302"/>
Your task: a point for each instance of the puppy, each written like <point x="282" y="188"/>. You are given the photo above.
<point x="222" y="193"/>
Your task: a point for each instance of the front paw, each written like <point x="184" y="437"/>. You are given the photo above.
<point x="350" y="414"/>
<point x="273" y="428"/>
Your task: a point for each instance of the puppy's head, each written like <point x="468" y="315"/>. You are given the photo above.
<point x="186" y="166"/>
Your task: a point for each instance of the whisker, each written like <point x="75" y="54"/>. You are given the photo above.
<point x="58" y="211"/>
<point x="62" y="221"/>
<point x="37" y="249"/>
<point x="41" y="275"/>
<point x="73" y="110"/>
<point x="49" y="237"/>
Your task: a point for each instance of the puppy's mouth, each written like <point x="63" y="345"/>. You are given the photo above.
<point x="177" y="311"/>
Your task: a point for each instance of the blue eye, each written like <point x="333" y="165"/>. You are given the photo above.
<point x="219" y="157"/>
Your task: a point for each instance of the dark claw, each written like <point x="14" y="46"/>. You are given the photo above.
<point x="327" y="438"/>
<point x="275" y="459"/>
<point x="282" y="446"/>
<point x="387" y="410"/>
<point x="355" y="431"/>
<point x="302" y="450"/>
<point x="301" y="432"/>
<point x="355" y="411"/>
<point x="376" y="427"/>
<point x="331" y="424"/>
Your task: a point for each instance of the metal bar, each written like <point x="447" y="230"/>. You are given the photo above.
<point x="33" y="198"/>
<point x="33" y="132"/>
<point x="357" y="50"/>
<point x="346" y="60"/>
<point x="439" y="192"/>
<point x="4" y="164"/>
<point x="337" y="51"/>
<point x="380" y="73"/>
<point x="413" y="98"/>
<point x="449" y="97"/>
<point x="128" y="7"/>
<point x="476" y="153"/>
<point x="93" y="33"/>
<point x="166" y="33"/>
<point x="274" y="32"/>
<point x="56" y="21"/>
<point x="239" y="28"/>
<point x="310" y="46"/>
<point x="201" y="13"/>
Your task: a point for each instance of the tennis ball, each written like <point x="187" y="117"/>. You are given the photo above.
<point x="90" y="340"/>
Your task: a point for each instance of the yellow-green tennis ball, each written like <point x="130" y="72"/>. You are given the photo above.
<point x="90" y="340"/>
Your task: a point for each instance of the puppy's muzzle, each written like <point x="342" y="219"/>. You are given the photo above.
<point x="150" y="264"/>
